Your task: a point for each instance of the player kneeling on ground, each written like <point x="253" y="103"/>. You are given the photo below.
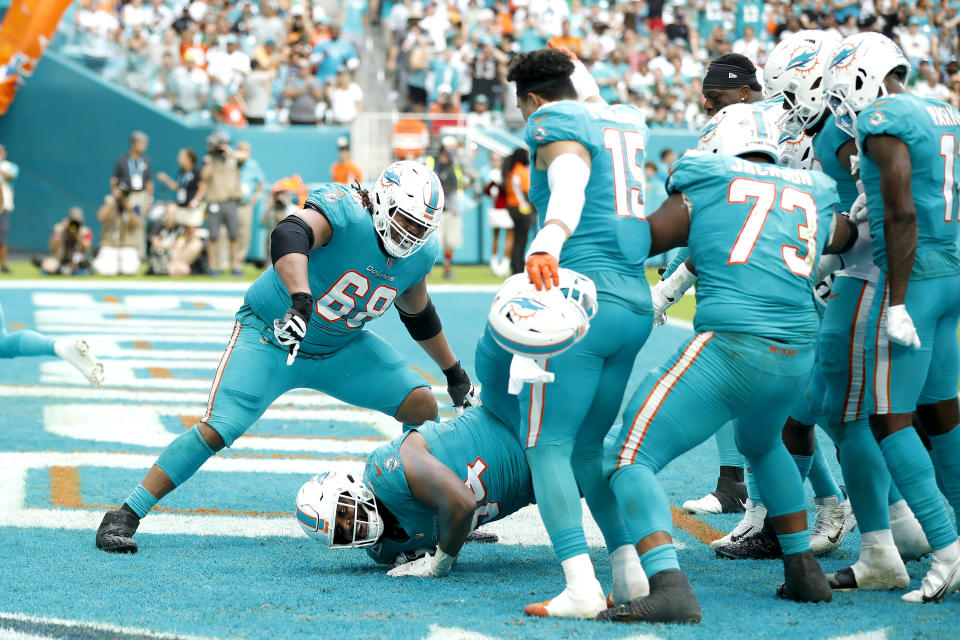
<point x="364" y="253"/>
<point x="425" y="491"/>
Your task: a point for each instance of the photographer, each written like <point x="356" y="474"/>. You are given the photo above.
<point x="70" y="245"/>
<point x="173" y="249"/>
<point x="221" y="175"/>
<point x="121" y="236"/>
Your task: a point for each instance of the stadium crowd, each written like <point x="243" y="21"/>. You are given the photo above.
<point x="292" y="62"/>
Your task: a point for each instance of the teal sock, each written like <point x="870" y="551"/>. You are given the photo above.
<point x="803" y="464"/>
<point x="752" y="492"/>
<point x="945" y="452"/>
<point x="727" y="450"/>
<point x="659" y="559"/>
<point x="184" y="456"/>
<point x="588" y="471"/>
<point x="820" y="476"/>
<point x="141" y="501"/>
<point x="643" y="504"/>
<point x="911" y="468"/>
<point x="794" y="542"/>
<point x="894" y="496"/>
<point x="26" y="343"/>
<point x="558" y="498"/>
<point x="866" y="475"/>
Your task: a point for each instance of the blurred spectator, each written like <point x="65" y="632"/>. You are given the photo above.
<point x="329" y="56"/>
<point x="415" y="52"/>
<point x="8" y="173"/>
<point x="344" y="170"/>
<point x="915" y="45"/>
<point x="121" y="236"/>
<point x="498" y="217"/>
<point x="516" y="185"/>
<point x="268" y="25"/>
<point x="345" y="98"/>
<point x="221" y="175"/>
<point x="70" y="245"/>
<point x="282" y="204"/>
<point x="255" y="93"/>
<point x="667" y="158"/>
<point x="932" y="87"/>
<point x="189" y="189"/>
<point x="133" y="175"/>
<point x="189" y="87"/>
<point x="748" y="45"/>
<point x="481" y="116"/>
<point x="172" y="250"/>
<point x="305" y="93"/>
<point x="611" y="76"/>
<point x="488" y="71"/>
<point x="447" y="166"/>
<point x="567" y="40"/>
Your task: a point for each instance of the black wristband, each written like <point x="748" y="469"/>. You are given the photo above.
<point x="456" y="374"/>
<point x="302" y="303"/>
<point x="423" y="325"/>
<point x="292" y="235"/>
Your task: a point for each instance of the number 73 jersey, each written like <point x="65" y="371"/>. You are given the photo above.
<point x="756" y="235"/>
<point x="351" y="278"/>
<point x="613" y="234"/>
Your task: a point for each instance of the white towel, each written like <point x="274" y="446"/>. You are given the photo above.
<point x="525" y="370"/>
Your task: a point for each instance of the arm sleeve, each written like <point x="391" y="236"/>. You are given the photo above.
<point x="682" y="254"/>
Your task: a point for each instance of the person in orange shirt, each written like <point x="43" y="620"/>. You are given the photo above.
<point x="516" y="184"/>
<point x="344" y="170"/>
<point x="565" y="40"/>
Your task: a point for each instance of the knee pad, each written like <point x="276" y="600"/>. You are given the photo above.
<point x="184" y="456"/>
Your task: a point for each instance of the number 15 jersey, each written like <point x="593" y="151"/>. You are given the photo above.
<point x="352" y="279"/>
<point x="756" y="235"/>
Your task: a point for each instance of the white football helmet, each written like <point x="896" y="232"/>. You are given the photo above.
<point x="407" y="205"/>
<point x="739" y="129"/>
<point x="794" y="70"/>
<point x="323" y="495"/>
<point x="855" y="74"/>
<point x="542" y="324"/>
<point x="796" y="153"/>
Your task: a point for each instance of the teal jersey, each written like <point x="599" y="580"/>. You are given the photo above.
<point x="750" y="14"/>
<point x="352" y="279"/>
<point x="825" y="146"/>
<point x="476" y="446"/>
<point x="931" y="131"/>
<point x="713" y="14"/>
<point x="756" y="235"/>
<point x="613" y="234"/>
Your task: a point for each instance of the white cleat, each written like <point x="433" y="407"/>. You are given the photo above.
<point x="629" y="579"/>
<point x="831" y="524"/>
<point x="879" y="568"/>
<point x="78" y="353"/>
<point x="707" y="504"/>
<point x="907" y="532"/>
<point x="942" y="578"/>
<point x="750" y="525"/>
<point x="585" y="602"/>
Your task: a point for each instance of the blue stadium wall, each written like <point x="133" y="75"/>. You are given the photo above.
<point x="67" y="127"/>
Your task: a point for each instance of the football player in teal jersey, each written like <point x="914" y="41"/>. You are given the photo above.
<point x="25" y="343"/>
<point x="424" y="491"/>
<point x="587" y="182"/>
<point x="755" y="232"/>
<point x="340" y="262"/>
<point x="908" y="166"/>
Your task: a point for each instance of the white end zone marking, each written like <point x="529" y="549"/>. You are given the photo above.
<point x="455" y="633"/>
<point x="876" y="634"/>
<point x="81" y="626"/>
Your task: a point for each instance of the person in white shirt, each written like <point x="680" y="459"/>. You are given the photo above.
<point x="346" y="98"/>
<point x="932" y="87"/>
<point x="748" y="45"/>
<point x="914" y="44"/>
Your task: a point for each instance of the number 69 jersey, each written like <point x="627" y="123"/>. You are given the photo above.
<point x="479" y="449"/>
<point x="756" y="234"/>
<point x="352" y="280"/>
<point x="613" y="234"/>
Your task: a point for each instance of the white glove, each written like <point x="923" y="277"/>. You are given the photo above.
<point x="821" y="292"/>
<point x="858" y="210"/>
<point x="583" y="82"/>
<point x="660" y="302"/>
<point x="429" y="566"/>
<point x="470" y="400"/>
<point x="667" y="292"/>
<point x="900" y="327"/>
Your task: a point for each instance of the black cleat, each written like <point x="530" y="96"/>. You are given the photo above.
<point x="479" y="535"/>
<point x="116" y="530"/>
<point x="762" y="546"/>
<point x="671" y="600"/>
<point x="728" y="497"/>
<point x="803" y="579"/>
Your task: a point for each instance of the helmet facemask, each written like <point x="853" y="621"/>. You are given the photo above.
<point x="357" y="501"/>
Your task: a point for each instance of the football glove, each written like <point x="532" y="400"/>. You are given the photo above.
<point x="858" y="210"/>
<point x="660" y="302"/>
<point x="900" y="327"/>
<point x="543" y="270"/>
<point x="460" y="388"/>
<point x="667" y="292"/>
<point x="292" y="329"/>
<point x="429" y="566"/>
<point x="821" y="292"/>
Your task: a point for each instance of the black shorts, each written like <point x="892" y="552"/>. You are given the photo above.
<point x="4" y="226"/>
